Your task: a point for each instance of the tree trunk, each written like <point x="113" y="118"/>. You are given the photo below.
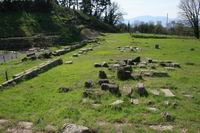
<point x="196" y="31"/>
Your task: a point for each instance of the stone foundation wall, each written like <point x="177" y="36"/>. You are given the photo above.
<point x="31" y="73"/>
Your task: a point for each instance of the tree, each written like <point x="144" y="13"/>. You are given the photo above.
<point x="189" y="11"/>
<point x="114" y="15"/>
<point x="86" y="7"/>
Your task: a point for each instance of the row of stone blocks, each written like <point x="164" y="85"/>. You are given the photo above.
<point x="70" y="48"/>
<point x="33" y="72"/>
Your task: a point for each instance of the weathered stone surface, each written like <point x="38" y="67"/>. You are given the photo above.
<point x="3" y="122"/>
<point x="142" y="65"/>
<point x="127" y="90"/>
<point x="140" y="89"/>
<point x="169" y="64"/>
<point x="113" y="88"/>
<point x="117" y="103"/>
<point x="68" y="62"/>
<point x="75" y="55"/>
<point x="170" y="68"/>
<point x="89" y="84"/>
<point x="63" y="89"/>
<point x="16" y="130"/>
<point x="31" y="54"/>
<point x="101" y="81"/>
<point x="167" y="117"/>
<point x="155" y="92"/>
<point x="45" y="54"/>
<point x="25" y="125"/>
<point x="102" y="75"/>
<point x="167" y="93"/>
<point x="50" y="129"/>
<point x="152" y="109"/>
<point x="72" y="128"/>
<point x="122" y="74"/>
<point x="136" y="76"/>
<point x="162" y="127"/>
<point x="135" y="101"/>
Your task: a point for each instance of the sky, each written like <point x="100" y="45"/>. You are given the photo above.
<point x="135" y="8"/>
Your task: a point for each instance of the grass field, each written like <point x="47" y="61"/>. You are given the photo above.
<point x="37" y="100"/>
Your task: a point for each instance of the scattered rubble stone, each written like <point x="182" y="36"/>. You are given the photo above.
<point x="97" y="65"/>
<point x="142" y="65"/>
<point x="75" y="55"/>
<point x="101" y="81"/>
<point x="117" y="103"/>
<point x="122" y="74"/>
<point x="89" y="84"/>
<point x="167" y="93"/>
<point x="3" y="122"/>
<point x="87" y="93"/>
<point x="45" y="54"/>
<point x="188" y="96"/>
<point x="170" y="68"/>
<point x="25" y="125"/>
<point x="157" y="46"/>
<point x="155" y="92"/>
<point x="105" y="64"/>
<point x="152" y="109"/>
<point x="169" y="64"/>
<point x="72" y="128"/>
<point x="68" y="62"/>
<point x="63" y="90"/>
<point x="128" y="90"/>
<point x="50" y="129"/>
<point x="166" y="116"/>
<point x="162" y="128"/>
<point x="102" y="75"/>
<point x="166" y="103"/>
<point x="136" y="76"/>
<point x="112" y="88"/>
<point x="140" y="89"/>
<point x="135" y="101"/>
<point x="137" y="60"/>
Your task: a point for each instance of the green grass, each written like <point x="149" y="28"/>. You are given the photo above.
<point x="38" y="100"/>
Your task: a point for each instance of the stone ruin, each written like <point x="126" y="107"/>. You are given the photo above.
<point x="46" y="54"/>
<point x="128" y="48"/>
<point x="33" y="72"/>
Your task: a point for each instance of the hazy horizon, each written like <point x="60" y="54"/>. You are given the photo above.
<point x="135" y="8"/>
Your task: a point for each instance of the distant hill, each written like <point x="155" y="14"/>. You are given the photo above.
<point x="147" y="19"/>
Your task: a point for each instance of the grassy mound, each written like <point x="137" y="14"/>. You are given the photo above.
<point x="62" y="22"/>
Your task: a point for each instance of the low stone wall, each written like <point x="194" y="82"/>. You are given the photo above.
<point x="69" y="48"/>
<point x="31" y="73"/>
